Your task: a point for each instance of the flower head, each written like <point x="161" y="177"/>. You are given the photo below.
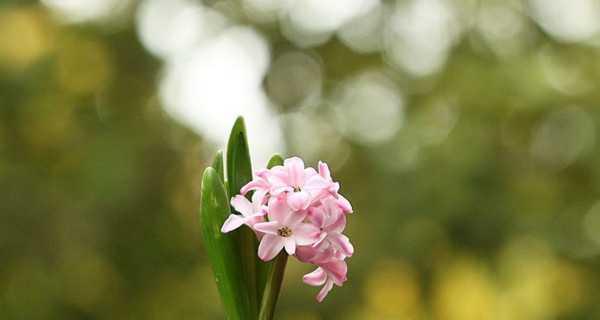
<point x="301" y="211"/>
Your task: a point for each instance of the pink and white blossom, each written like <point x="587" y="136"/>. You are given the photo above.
<point x="301" y="185"/>
<point x="251" y="212"/>
<point x="331" y="221"/>
<point x="326" y="275"/>
<point x="285" y="229"/>
<point x="301" y="211"/>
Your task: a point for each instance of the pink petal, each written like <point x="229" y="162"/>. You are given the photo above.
<point x="305" y="234"/>
<point x="262" y="173"/>
<point x="233" y="222"/>
<point x="343" y="243"/>
<point x="322" y="236"/>
<point x="269" y="247"/>
<point x="315" y="184"/>
<point x="278" y="210"/>
<point x="268" y="227"/>
<point x="258" y="198"/>
<point x="315" y="278"/>
<point x="294" y="218"/>
<point x="324" y="171"/>
<point x="305" y="253"/>
<point x="290" y="246"/>
<point x="337" y="271"/>
<point x="298" y="200"/>
<point x="317" y="216"/>
<point x="279" y="180"/>
<point x="338" y="224"/>
<point x="255" y="218"/>
<point x="323" y="255"/>
<point x="344" y="204"/>
<point x="242" y="205"/>
<point x="295" y="168"/>
<point x="309" y="172"/>
<point x="324" y="291"/>
<point x="334" y="188"/>
<point x="256" y="184"/>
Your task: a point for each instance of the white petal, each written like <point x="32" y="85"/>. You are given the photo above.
<point x="290" y="246"/>
<point x="269" y="247"/>
<point x="242" y="205"/>
<point x="233" y="222"/>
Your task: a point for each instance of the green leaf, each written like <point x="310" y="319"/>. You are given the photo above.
<point x="218" y="165"/>
<point x="239" y="172"/>
<point x="222" y="249"/>
<point x="276" y="160"/>
<point x="239" y="168"/>
<point x="271" y="273"/>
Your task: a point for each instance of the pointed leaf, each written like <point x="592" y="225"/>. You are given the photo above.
<point x="218" y="165"/>
<point x="221" y="248"/>
<point x="239" y="168"/>
<point x="239" y="172"/>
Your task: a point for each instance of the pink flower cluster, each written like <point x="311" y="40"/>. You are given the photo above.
<point x="298" y="210"/>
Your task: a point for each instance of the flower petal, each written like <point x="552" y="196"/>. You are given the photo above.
<point x="269" y="247"/>
<point x="315" y="278"/>
<point x="317" y="216"/>
<point x="278" y="210"/>
<point x="324" y="291"/>
<point x="342" y="243"/>
<point x="305" y="234"/>
<point x="337" y="271"/>
<point x="256" y="184"/>
<point x="262" y="173"/>
<point x="324" y="171"/>
<point x="290" y="246"/>
<point x="242" y="205"/>
<point x="309" y="172"/>
<point x="305" y="253"/>
<point x="255" y="218"/>
<point x="258" y="199"/>
<point x="295" y="169"/>
<point x="338" y="223"/>
<point x="298" y="200"/>
<point x="233" y="222"/>
<point x="294" y="218"/>
<point x="316" y="184"/>
<point x="268" y="227"/>
<point x="344" y="204"/>
<point x="320" y="239"/>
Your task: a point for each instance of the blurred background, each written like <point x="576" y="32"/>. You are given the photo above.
<point x="464" y="132"/>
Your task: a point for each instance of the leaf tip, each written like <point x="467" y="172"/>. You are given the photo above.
<point x="276" y="160"/>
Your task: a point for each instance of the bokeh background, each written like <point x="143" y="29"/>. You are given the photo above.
<point x="464" y="132"/>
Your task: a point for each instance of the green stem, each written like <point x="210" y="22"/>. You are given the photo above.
<point x="272" y="287"/>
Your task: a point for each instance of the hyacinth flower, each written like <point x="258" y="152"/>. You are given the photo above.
<point x="326" y="275"/>
<point x="252" y="222"/>
<point x="252" y="212"/>
<point x="285" y="229"/>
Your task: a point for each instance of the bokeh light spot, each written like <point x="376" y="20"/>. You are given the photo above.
<point x="369" y="109"/>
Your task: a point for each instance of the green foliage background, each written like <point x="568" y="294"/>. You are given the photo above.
<point x="99" y="187"/>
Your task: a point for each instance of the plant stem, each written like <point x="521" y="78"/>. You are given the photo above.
<point x="272" y="287"/>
